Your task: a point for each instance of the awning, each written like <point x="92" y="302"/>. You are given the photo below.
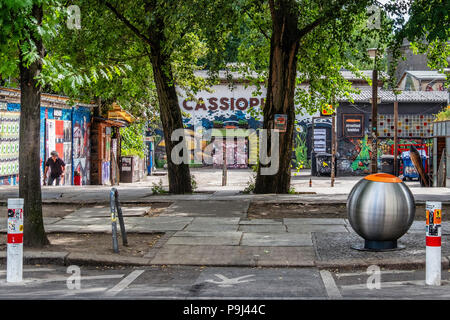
<point x="117" y="113"/>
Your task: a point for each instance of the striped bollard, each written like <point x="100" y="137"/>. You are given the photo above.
<point x="433" y="242"/>
<point x="14" y="258"/>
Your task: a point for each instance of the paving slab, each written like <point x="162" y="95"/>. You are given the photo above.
<point x="325" y="221"/>
<point x="207" y="234"/>
<point x="269" y="228"/>
<point x="165" y="220"/>
<point x="279" y="239"/>
<point x="51" y="220"/>
<point x="53" y="228"/>
<point x="105" y="211"/>
<point x="83" y="221"/>
<point x="215" y="220"/>
<point x="296" y="228"/>
<point x="160" y="227"/>
<point x="261" y="221"/>
<point x="208" y="208"/>
<point x="205" y="241"/>
<point x="235" y="256"/>
<point x="208" y="227"/>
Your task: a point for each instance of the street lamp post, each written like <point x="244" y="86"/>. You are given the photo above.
<point x="374" y="124"/>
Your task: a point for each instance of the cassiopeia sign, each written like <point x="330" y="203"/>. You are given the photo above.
<point x="222" y="103"/>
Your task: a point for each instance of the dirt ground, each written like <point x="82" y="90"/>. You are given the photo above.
<point x="97" y="243"/>
<point x="293" y="210"/>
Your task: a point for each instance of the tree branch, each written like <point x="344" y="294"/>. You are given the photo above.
<point x="122" y="18"/>
<point x="257" y="24"/>
<point x="327" y="16"/>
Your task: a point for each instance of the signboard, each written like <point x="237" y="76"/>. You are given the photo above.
<point x="327" y="110"/>
<point x="353" y="125"/>
<point x="280" y="122"/>
<point x="320" y="140"/>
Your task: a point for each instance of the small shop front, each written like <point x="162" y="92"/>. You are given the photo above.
<point x="416" y="113"/>
<point x="63" y="128"/>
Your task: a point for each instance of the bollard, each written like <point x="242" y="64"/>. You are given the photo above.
<point x="433" y="243"/>
<point x="120" y="215"/>
<point x="113" y="221"/>
<point x="14" y="265"/>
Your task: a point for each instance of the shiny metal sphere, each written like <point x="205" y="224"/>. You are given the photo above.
<point x="380" y="207"/>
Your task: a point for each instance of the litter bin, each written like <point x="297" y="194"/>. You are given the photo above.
<point x="409" y="170"/>
<point x="323" y="164"/>
<point x="387" y="163"/>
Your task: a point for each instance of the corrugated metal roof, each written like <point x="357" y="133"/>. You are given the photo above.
<point x="404" y="96"/>
<point x="426" y="75"/>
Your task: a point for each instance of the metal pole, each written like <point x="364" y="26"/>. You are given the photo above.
<point x="14" y="259"/>
<point x="120" y="215"/>
<point x="113" y="221"/>
<point x="333" y="149"/>
<point x="396" y="137"/>
<point x="374" y="160"/>
<point x="433" y="243"/>
<point x="224" y="168"/>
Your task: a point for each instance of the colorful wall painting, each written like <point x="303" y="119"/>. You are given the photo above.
<point x="81" y="143"/>
<point x="9" y="147"/>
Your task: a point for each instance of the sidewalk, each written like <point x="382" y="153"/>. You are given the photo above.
<point x="218" y="233"/>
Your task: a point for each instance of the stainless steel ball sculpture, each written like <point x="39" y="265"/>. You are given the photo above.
<point x="380" y="209"/>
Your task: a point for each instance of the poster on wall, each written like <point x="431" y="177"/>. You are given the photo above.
<point x="81" y="146"/>
<point x="320" y="140"/>
<point x="58" y="138"/>
<point x="353" y="125"/>
<point x="9" y="147"/>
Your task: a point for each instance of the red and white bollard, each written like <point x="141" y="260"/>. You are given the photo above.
<point x="14" y="258"/>
<point x="433" y="241"/>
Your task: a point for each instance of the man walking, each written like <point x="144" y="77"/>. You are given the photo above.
<point x="57" y="168"/>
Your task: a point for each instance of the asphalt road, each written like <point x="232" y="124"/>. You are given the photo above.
<point x="58" y="282"/>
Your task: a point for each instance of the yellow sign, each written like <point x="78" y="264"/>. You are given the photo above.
<point x="327" y="110"/>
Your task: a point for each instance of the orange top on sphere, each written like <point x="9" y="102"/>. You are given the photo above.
<point x="383" y="177"/>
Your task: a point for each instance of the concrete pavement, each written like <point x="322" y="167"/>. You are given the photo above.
<point x="211" y="227"/>
<point x="218" y="233"/>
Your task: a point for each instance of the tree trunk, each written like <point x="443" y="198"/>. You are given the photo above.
<point x="29" y="150"/>
<point x="169" y="109"/>
<point x="280" y="92"/>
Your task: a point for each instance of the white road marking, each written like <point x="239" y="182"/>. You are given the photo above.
<point x="225" y="282"/>
<point x="331" y="287"/>
<point x="57" y="279"/>
<point x="124" y="283"/>
<point x="340" y="275"/>
<point x="2" y="272"/>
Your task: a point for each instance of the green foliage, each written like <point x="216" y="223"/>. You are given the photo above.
<point x="193" y="182"/>
<point x="132" y="139"/>
<point x="157" y="188"/>
<point x="427" y="30"/>
<point x="443" y="115"/>
<point x="251" y="183"/>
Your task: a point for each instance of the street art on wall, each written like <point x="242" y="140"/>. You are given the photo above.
<point x="236" y="108"/>
<point x="59" y="138"/>
<point x="354" y="154"/>
<point x="81" y="143"/>
<point x="9" y="147"/>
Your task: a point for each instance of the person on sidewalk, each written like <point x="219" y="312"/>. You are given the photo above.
<point x="57" y="168"/>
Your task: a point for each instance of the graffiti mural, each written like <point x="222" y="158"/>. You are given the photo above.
<point x="9" y="147"/>
<point x="81" y="143"/>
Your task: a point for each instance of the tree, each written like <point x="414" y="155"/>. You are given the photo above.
<point x="297" y="30"/>
<point x="428" y="30"/>
<point x="22" y="41"/>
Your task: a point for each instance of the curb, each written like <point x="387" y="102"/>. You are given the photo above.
<point x="67" y="259"/>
